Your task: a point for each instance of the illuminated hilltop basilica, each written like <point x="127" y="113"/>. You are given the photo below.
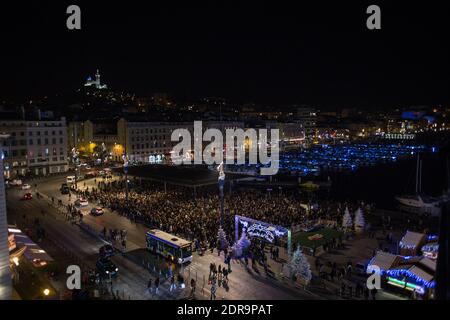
<point x="95" y="83"/>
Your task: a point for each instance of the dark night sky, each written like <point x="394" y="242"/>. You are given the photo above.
<point x="275" y="53"/>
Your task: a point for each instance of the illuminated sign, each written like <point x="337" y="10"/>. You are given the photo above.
<point x="406" y="285"/>
<point x="260" y="229"/>
<point x="156" y="159"/>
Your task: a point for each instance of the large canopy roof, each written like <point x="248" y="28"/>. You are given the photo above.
<point x="412" y="239"/>
<point x="187" y="175"/>
<point x="384" y="260"/>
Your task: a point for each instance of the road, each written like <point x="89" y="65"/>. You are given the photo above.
<point x="132" y="279"/>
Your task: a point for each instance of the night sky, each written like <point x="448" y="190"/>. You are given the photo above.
<point x="273" y="53"/>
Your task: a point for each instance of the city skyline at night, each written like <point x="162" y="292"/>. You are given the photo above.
<point x="224" y="159"/>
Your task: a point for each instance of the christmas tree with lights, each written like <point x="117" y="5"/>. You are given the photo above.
<point x="360" y="222"/>
<point x="347" y="222"/>
<point x="299" y="266"/>
<point x="242" y="245"/>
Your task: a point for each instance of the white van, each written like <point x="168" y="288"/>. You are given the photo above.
<point x="70" y="179"/>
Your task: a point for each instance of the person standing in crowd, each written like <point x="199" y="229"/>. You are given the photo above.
<point x="211" y="268"/>
<point x="173" y="286"/>
<point x="373" y="293"/>
<point x="149" y="286"/>
<point x="157" y="285"/>
<point x="366" y="293"/>
<point x="193" y="284"/>
<point x="213" y="291"/>
<point x="225" y="274"/>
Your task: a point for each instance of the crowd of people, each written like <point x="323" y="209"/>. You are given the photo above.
<point x="176" y="210"/>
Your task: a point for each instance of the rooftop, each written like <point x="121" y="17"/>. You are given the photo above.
<point x="412" y="239"/>
<point x="184" y="175"/>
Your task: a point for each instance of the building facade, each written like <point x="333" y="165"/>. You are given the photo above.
<point x="142" y="141"/>
<point x="307" y="116"/>
<point x="5" y="272"/>
<point x="34" y="147"/>
<point x="148" y="141"/>
<point x="79" y="134"/>
<point x="151" y="141"/>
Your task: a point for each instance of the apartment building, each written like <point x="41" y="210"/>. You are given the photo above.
<point x="34" y="147"/>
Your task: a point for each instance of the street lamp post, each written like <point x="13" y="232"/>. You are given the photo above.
<point x="223" y="243"/>
<point x="76" y="160"/>
<point x="125" y="170"/>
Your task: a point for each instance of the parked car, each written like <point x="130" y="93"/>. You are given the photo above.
<point x="27" y="196"/>
<point x="90" y="175"/>
<point x="64" y="189"/>
<point x="106" y="251"/>
<point x="81" y="202"/>
<point x="26" y="186"/>
<point x="15" y="182"/>
<point x="106" y="267"/>
<point x="97" y="211"/>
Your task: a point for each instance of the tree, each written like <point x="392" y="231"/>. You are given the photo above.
<point x="347" y="219"/>
<point x="360" y="222"/>
<point x="299" y="266"/>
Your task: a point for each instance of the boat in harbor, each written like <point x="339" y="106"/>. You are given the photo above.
<point x="418" y="202"/>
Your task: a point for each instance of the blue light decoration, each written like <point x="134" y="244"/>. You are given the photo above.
<point x="261" y="230"/>
<point x="400" y="274"/>
<point x="432" y="237"/>
<point x="432" y="247"/>
<point x="407" y="246"/>
<point x="397" y="273"/>
<point x="345" y="157"/>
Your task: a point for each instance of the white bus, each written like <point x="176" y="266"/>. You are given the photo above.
<point x="169" y="246"/>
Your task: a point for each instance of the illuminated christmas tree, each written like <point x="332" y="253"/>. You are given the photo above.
<point x="242" y="245"/>
<point x="360" y="222"/>
<point x="299" y="266"/>
<point x="347" y="221"/>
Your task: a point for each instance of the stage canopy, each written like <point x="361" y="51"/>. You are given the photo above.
<point x="184" y="175"/>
